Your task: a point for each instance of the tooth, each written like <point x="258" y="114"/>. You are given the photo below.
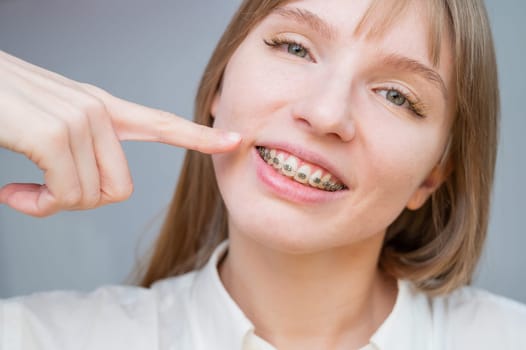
<point x="261" y="152"/>
<point x="338" y="187"/>
<point x="303" y="174"/>
<point x="278" y="160"/>
<point x="315" y="179"/>
<point x="266" y="155"/>
<point x="333" y="187"/>
<point x="325" y="182"/>
<point x="290" y="166"/>
<point x="272" y="155"/>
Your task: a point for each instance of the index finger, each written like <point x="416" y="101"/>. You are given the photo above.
<point x="140" y="123"/>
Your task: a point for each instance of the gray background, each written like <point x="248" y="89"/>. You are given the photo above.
<point x="153" y="53"/>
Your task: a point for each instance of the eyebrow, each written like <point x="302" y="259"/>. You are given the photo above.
<point x="410" y="65"/>
<point x="396" y="61"/>
<point x="303" y="16"/>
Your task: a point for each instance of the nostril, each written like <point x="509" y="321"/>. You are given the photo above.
<point x="303" y="121"/>
<point x="334" y="135"/>
<point x="329" y="125"/>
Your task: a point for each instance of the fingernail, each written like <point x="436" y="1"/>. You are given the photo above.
<point x="233" y="136"/>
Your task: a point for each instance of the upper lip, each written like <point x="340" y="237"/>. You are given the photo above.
<point x="307" y="155"/>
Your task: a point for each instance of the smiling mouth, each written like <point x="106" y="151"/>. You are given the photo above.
<point x="300" y="171"/>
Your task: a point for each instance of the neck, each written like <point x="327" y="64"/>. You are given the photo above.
<point x="330" y="299"/>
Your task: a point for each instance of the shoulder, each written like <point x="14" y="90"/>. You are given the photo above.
<point x="474" y="318"/>
<point x="66" y="320"/>
<point x="111" y="317"/>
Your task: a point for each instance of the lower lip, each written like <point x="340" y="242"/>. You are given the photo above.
<point x="289" y="189"/>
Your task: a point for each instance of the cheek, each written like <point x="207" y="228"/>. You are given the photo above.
<point x="253" y="90"/>
<point x="398" y="166"/>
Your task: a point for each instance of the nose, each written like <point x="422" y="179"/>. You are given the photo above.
<point x="326" y="110"/>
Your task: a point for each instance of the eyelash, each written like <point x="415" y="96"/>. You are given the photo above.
<point x="277" y="43"/>
<point x="415" y="105"/>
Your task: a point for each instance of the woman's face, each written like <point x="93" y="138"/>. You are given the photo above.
<point x="353" y="127"/>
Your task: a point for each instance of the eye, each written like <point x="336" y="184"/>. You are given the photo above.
<point x="297" y="49"/>
<point x="404" y="100"/>
<point x="290" y="46"/>
<point x="396" y="97"/>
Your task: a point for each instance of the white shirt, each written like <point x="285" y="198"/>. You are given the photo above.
<point x="195" y="312"/>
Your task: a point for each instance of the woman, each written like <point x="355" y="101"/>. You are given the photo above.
<point x="355" y="204"/>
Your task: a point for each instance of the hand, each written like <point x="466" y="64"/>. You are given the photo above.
<point x="72" y="131"/>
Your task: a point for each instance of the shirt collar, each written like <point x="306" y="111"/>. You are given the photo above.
<point x="408" y="326"/>
<point x="220" y="319"/>
<point x="225" y="326"/>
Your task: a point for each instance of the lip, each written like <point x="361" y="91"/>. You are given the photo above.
<point x="288" y="189"/>
<point x="309" y="156"/>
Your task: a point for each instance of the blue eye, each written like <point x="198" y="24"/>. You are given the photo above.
<point x="290" y="46"/>
<point x="396" y="97"/>
<point x="297" y="49"/>
<point x="404" y="100"/>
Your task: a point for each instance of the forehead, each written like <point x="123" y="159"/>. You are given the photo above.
<point x="409" y="25"/>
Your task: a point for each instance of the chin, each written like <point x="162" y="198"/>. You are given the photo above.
<point x="292" y="222"/>
<point x="284" y="230"/>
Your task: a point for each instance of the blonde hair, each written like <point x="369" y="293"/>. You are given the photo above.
<point x="436" y="247"/>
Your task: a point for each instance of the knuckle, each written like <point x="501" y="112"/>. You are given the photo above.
<point x="72" y="198"/>
<point x="92" y="89"/>
<point x="90" y="102"/>
<point x="87" y="109"/>
<point x="164" y="124"/>
<point x="121" y="193"/>
<point x="165" y="117"/>
<point x="79" y="123"/>
<point x="93" y="106"/>
<point x="58" y="133"/>
<point x="125" y="192"/>
<point x="91" y="200"/>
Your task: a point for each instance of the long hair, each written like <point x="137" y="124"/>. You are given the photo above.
<point x="437" y="246"/>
